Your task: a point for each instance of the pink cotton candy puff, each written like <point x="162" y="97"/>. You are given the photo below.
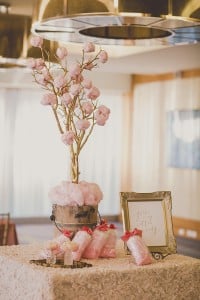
<point x="93" y="93"/>
<point x="68" y="137"/>
<point x="89" y="47"/>
<point x="61" y="52"/>
<point x="74" y="70"/>
<point x="82" y="124"/>
<point x="60" y="81"/>
<point x="88" y="107"/>
<point x="36" y="41"/>
<point x="66" y="99"/>
<point x="103" y="56"/>
<point x="75" y="89"/>
<point x="68" y="193"/>
<point x="49" y="99"/>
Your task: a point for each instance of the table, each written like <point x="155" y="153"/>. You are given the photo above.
<point x="12" y="234"/>
<point x="175" y="277"/>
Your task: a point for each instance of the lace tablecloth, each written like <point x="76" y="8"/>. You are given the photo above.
<point x="175" y="277"/>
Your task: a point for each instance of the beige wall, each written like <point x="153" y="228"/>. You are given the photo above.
<point x="153" y="97"/>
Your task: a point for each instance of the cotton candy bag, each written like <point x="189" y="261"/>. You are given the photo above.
<point x="109" y="249"/>
<point x="99" y="238"/>
<point x="137" y="247"/>
<point x="82" y="238"/>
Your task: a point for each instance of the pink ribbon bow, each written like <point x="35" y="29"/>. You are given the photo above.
<point x="129" y="234"/>
<point x="112" y="226"/>
<point x="67" y="233"/>
<point x="102" y="227"/>
<point x="87" y="229"/>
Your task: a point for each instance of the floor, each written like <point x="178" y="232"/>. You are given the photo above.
<point x="30" y="233"/>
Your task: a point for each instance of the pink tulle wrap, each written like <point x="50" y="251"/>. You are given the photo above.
<point x="69" y="193"/>
<point x="109" y="249"/>
<point x="137" y="247"/>
<point x="99" y="238"/>
<point x="82" y="238"/>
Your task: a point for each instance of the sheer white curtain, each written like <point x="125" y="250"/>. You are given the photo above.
<point x="33" y="159"/>
<point x="151" y="143"/>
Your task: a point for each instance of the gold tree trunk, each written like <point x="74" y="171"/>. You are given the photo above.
<point x="74" y="168"/>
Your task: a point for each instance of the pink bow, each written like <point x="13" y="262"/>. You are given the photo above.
<point x="67" y="233"/>
<point x="87" y="229"/>
<point x="129" y="234"/>
<point x="112" y="226"/>
<point x="102" y="227"/>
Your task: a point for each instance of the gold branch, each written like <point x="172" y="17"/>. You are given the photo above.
<point x="57" y="120"/>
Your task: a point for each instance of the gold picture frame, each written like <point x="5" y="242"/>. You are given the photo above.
<point x="151" y="213"/>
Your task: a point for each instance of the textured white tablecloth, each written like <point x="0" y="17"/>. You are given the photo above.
<point x="175" y="277"/>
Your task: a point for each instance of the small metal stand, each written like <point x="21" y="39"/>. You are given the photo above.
<point x="158" y="255"/>
<point x="60" y="264"/>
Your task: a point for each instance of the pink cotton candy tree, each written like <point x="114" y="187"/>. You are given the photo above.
<point x="71" y="95"/>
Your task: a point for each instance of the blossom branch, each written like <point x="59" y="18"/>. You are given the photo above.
<point x="72" y="97"/>
<point x="57" y="120"/>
